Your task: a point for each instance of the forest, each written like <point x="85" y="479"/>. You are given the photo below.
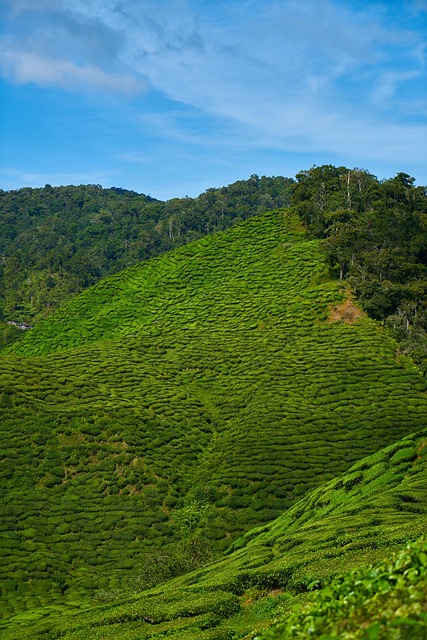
<point x="375" y="237"/>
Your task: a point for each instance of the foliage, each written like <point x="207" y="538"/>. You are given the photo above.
<point x="56" y="241"/>
<point x="385" y="601"/>
<point x="375" y="235"/>
<point x="166" y="411"/>
<point x="8" y="334"/>
<point x="326" y="562"/>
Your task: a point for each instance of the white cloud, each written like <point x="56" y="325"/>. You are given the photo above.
<point x="23" y="67"/>
<point x="300" y="76"/>
<point x="13" y="178"/>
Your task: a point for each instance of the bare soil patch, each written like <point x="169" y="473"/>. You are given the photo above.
<point x="346" y="312"/>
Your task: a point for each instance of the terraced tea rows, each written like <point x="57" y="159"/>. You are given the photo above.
<point x="378" y="505"/>
<point x="186" y="399"/>
<point x="255" y="274"/>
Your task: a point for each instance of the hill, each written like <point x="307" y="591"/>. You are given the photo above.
<point x="57" y="241"/>
<point x="172" y="407"/>
<point x="287" y="566"/>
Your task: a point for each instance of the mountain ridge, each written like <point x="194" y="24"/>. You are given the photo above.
<point x="57" y="241"/>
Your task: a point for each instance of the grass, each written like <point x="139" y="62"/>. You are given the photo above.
<point x="171" y="408"/>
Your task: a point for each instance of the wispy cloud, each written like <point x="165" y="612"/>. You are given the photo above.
<point x="390" y="82"/>
<point x="24" y="67"/>
<point x="21" y="178"/>
<point x="50" y="44"/>
<point x="319" y="75"/>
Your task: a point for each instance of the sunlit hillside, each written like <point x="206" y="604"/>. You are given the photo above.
<point x="284" y="568"/>
<point x="172" y="407"/>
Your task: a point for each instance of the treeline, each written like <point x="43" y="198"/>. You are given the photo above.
<point x="375" y="237"/>
<point x="56" y="241"/>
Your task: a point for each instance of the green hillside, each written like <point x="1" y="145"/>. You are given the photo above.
<point x="57" y="241"/>
<point x="361" y="517"/>
<point x="386" y="601"/>
<point x="172" y="407"/>
<point x="374" y="234"/>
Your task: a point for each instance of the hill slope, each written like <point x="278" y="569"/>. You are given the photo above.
<point x="357" y="518"/>
<point x="57" y="241"/>
<point x="181" y="402"/>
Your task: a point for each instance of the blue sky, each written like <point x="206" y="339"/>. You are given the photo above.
<point x="171" y="97"/>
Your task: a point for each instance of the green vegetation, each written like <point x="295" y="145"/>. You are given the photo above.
<point x="308" y="568"/>
<point x="57" y="241"/>
<point x="375" y="236"/>
<point x="167" y="410"/>
<point x="149" y="424"/>
<point x="8" y="334"/>
<point x="386" y="601"/>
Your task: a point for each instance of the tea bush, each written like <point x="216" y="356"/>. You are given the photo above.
<point x="160" y="387"/>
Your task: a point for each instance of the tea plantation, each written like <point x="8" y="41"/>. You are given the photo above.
<point x="169" y="409"/>
<point x="309" y="568"/>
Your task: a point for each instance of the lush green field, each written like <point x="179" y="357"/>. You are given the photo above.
<point x="172" y="407"/>
<point x="284" y="568"/>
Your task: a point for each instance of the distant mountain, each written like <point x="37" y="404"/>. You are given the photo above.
<point x="167" y="410"/>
